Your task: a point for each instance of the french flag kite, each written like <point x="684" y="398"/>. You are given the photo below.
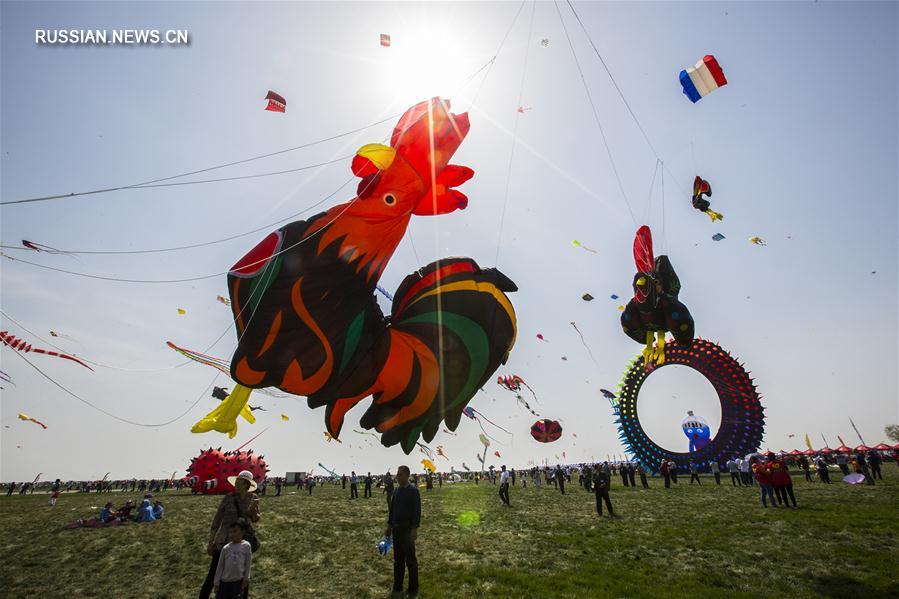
<point x="276" y="102"/>
<point x="703" y="79"/>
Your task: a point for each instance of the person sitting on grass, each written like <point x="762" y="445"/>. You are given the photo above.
<point x="107" y="514"/>
<point x="232" y="573"/>
<point x="124" y="512"/>
<point x="145" y="512"/>
<point x="158" y="510"/>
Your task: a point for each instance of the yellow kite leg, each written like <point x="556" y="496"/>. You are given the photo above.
<point x="224" y="417"/>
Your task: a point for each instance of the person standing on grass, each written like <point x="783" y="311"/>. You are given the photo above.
<point x="745" y="474"/>
<point x="388" y="487"/>
<point x="843" y="463"/>
<point x="665" y="469"/>
<point x="242" y="503"/>
<point x="354" y="485"/>
<point x="783" y="483"/>
<point x="278" y="486"/>
<point x="512" y="476"/>
<point x="232" y="574"/>
<point x="403" y="520"/>
<point x="874" y="460"/>
<point x="366" y="491"/>
<point x="863" y="466"/>
<point x="631" y="472"/>
<point x="694" y="473"/>
<point x="763" y="477"/>
<point x="642" y="471"/>
<point x="821" y="467"/>
<point x="601" y="484"/>
<point x="12" y="487"/>
<point x="622" y="470"/>
<point x="343" y="482"/>
<point x="716" y="471"/>
<point x="803" y="463"/>
<point x="504" y="486"/>
<point x="559" y="477"/>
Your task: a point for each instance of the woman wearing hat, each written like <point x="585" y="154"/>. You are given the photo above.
<point x="242" y="503"/>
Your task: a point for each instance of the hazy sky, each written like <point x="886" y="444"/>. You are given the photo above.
<point x="800" y="148"/>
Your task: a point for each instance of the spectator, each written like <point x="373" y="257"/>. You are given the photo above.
<point x="232" y="574"/>
<point x="504" y="487"/>
<point x="403" y="520"/>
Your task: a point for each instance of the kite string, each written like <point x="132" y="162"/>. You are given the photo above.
<point x="596" y="116"/>
<point x="524" y="70"/>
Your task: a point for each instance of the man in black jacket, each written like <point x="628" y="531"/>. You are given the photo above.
<point x="403" y="519"/>
<point x="367" y="491"/>
<point x="601" y="484"/>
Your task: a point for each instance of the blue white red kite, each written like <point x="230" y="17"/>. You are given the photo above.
<point x="703" y="79"/>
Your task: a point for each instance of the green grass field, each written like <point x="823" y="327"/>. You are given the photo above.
<point x="707" y="541"/>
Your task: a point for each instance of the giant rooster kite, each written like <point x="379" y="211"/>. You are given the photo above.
<point x="655" y="308"/>
<point x="308" y="321"/>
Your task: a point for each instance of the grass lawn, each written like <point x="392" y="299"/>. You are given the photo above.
<point x="706" y="541"/>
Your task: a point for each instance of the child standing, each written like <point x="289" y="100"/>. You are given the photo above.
<point x="232" y="575"/>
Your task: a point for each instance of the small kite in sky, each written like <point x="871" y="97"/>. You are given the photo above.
<point x="757" y="241"/>
<point x="613" y="296"/>
<point x="578" y="244"/>
<point x="285" y="417"/>
<point x="425" y="450"/>
<point x="702" y="79"/>
<point x="429" y="466"/>
<point x="541" y="338"/>
<point x="440" y="452"/>
<point x="496" y="453"/>
<point x="385" y="40"/>
<point x="182" y="311"/>
<point x="522" y="109"/>
<point x="28" y="418"/>
<point x="276" y="102"/>
<point x="718" y="237"/>
<point x="22" y="346"/>
<point x="587" y="297"/>
<point x="223" y="299"/>
<point x="546" y="431"/>
<point x="39" y="247"/>
<point x="545" y="42"/>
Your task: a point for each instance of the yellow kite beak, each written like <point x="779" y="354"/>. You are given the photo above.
<point x="641" y="281"/>
<point x="378" y="154"/>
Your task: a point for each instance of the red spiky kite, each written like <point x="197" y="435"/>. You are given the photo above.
<point x="208" y="473"/>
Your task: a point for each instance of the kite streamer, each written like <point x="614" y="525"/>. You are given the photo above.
<point x="28" y="418"/>
<point x="583" y="342"/>
<point x="22" y="346"/>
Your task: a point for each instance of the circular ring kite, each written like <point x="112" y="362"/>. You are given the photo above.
<point x="742" y="419"/>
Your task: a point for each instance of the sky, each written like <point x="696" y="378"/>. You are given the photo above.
<point x="800" y="148"/>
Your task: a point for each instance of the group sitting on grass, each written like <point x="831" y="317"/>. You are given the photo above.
<point x="129" y="512"/>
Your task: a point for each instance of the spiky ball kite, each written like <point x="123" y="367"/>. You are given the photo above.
<point x="208" y="473"/>
<point x="742" y="414"/>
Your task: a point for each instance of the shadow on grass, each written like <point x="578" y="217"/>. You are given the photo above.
<point x="842" y="585"/>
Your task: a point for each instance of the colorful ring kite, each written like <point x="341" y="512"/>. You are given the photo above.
<point x="742" y="414"/>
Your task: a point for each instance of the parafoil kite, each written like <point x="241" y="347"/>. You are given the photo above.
<point x="655" y="307"/>
<point x="701" y="188"/>
<point x="718" y="237"/>
<point x="613" y="296"/>
<point x="24" y="347"/>
<point x="702" y="79"/>
<point x="546" y="431"/>
<point x="429" y="466"/>
<point x="587" y="297"/>
<point x="276" y="102"/>
<point x="308" y="321"/>
<point x="28" y="418"/>
<point x="757" y="241"/>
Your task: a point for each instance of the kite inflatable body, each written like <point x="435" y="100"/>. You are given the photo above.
<point x="208" y="472"/>
<point x="655" y="307"/>
<point x="546" y="431"/>
<point x="697" y="431"/>
<point x="701" y="190"/>
<point x="702" y="79"/>
<point x="308" y="321"/>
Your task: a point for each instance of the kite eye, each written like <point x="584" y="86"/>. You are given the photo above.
<point x="641" y="281"/>
<point x="389" y="199"/>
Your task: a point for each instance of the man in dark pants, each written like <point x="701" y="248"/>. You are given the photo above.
<point x="694" y="473"/>
<point x="631" y="471"/>
<point x="343" y="482"/>
<point x="874" y="460"/>
<point x="622" y="470"/>
<point x="388" y="487"/>
<point x="642" y="472"/>
<point x="559" y="477"/>
<point x="504" y="486"/>
<point x="354" y="486"/>
<point x="666" y="473"/>
<point x="367" y="491"/>
<point x="278" y="487"/>
<point x="403" y="519"/>
<point x="601" y="484"/>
